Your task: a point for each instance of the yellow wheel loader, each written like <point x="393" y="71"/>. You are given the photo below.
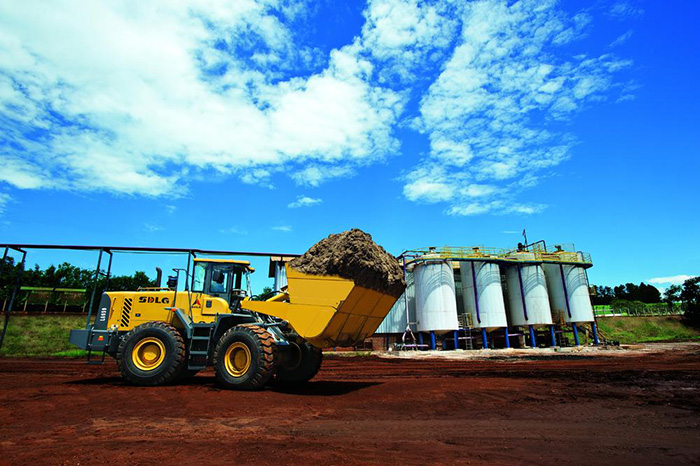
<point x="161" y="335"/>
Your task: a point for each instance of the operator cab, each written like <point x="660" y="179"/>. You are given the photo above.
<point x="222" y="278"/>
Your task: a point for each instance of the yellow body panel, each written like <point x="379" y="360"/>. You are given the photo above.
<point x="326" y="310"/>
<point x="129" y="309"/>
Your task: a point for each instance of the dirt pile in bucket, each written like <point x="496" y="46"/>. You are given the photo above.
<point x="353" y="255"/>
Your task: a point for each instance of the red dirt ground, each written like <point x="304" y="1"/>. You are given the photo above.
<point x="629" y="409"/>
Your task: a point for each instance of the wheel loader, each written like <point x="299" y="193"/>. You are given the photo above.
<point x="161" y="335"/>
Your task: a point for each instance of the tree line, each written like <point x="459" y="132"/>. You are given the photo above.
<point x="628" y="292"/>
<point x="688" y="294"/>
<point x="66" y="275"/>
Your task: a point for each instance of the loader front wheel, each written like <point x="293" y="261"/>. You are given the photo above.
<point x="244" y="358"/>
<point x="151" y="354"/>
<point x="303" y="364"/>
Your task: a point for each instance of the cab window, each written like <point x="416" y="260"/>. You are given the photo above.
<point x="198" y="278"/>
<point x="223" y="273"/>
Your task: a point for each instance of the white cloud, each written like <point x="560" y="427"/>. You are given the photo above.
<point x="167" y="92"/>
<point x="304" y="201"/>
<point x="622" y="39"/>
<point x="152" y="228"/>
<point x="4" y="200"/>
<point x="233" y="231"/>
<point x="623" y="10"/>
<point x="489" y="114"/>
<point x="283" y="228"/>
<point x="315" y="175"/>
<point x="160" y="93"/>
<point x="672" y="280"/>
<point x="171" y="209"/>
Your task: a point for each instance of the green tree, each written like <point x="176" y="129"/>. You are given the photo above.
<point x="673" y="294"/>
<point x="690" y="297"/>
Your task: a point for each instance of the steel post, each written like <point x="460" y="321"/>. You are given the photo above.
<point x="94" y="288"/>
<point x="533" y="340"/>
<point x="109" y="270"/>
<point x="15" y="290"/>
<point x="573" y="326"/>
<point x="594" y="327"/>
<point x="455" y="334"/>
<point x="485" y="338"/>
<point x="420" y="339"/>
<point x="554" y="337"/>
<point x="433" y="344"/>
<point x="507" y="337"/>
<point x="522" y="292"/>
<point x="476" y="295"/>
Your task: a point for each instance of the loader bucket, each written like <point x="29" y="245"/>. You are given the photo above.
<point x="327" y="310"/>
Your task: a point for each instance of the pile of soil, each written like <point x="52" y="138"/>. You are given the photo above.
<point x="353" y="255"/>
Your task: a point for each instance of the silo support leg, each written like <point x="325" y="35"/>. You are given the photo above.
<point x="507" y="337"/>
<point x="533" y="340"/>
<point x="595" y="334"/>
<point x="573" y="326"/>
<point x="553" y="335"/>
<point x="432" y="340"/>
<point x="456" y="337"/>
<point x="485" y="338"/>
<point x="420" y="339"/>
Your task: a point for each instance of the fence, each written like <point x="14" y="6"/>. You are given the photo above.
<point x="32" y="299"/>
<point x="638" y="309"/>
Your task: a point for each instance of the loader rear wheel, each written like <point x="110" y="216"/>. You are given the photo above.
<point x="244" y="358"/>
<point x="152" y="354"/>
<point x="303" y="365"/>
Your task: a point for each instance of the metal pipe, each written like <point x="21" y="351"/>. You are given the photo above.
<point x="109" y="269"/>
<point x="476" y="297"/>
<point x="94" y="288"/>
<point x="405" y="295"/>
<point x="573" y="325"/>
<point x="522" y="292"/>
<point x="146" y="249"/>
<point x="484" y="338"/>
<point x="595" y="333"/>
<point x="507" y="337"/>
<point x="14" y="295"/>
<point x="553" y="335"/>
<point x="533" y="340"/>
<point x="159" y="277"/>
<point x="566" y="290"/>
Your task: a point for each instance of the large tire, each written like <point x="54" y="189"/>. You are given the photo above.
<point x="303" y="367"/>
<point x="152" y="354"/>
<point x="244" y="358"/>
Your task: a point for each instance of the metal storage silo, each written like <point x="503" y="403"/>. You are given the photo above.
<point x="280" y="278"/>
<point x="436" y="303"/>
<point x="527" y="293"/>
<point x="396" y="320"/>
<point x="568" y="292"/>
<point x="482" y="294"/>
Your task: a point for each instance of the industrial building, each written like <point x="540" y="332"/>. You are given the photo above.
<point x="479" y="298"/>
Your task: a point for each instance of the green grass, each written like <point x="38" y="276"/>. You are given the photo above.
<point x="41" y="336"/>
<point x="630" y="330"/>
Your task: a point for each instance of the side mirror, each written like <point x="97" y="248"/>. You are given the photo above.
<point x="172" y="281"/>
<point x="217" y="276"/>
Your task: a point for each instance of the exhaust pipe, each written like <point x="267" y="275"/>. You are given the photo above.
<point x="159" y="276"/>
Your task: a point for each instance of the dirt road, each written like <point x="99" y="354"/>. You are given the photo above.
<point x="632" y="408"/>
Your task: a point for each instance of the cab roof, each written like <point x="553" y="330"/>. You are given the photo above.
<point x="246" y="264"/>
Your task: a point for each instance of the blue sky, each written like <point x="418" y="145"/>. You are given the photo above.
<point x="267" y="125"/>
